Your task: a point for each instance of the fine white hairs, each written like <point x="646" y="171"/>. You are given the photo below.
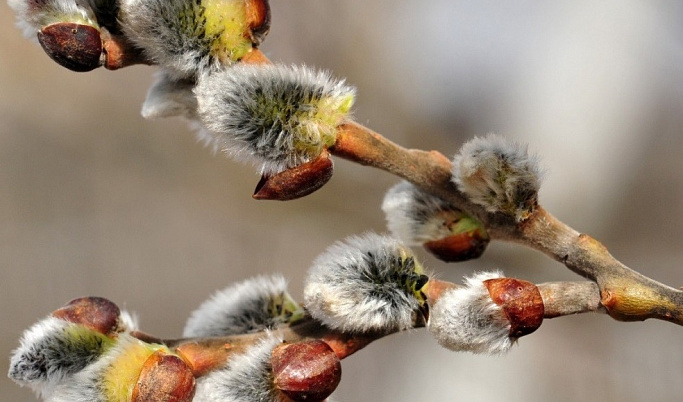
<point x="252" y="305"/>
<point x="366" y="283"/>
<point x="498" y="174"/>
<point x="274" y="116"/>
<point x="246" y="377"/>
<point x="415" y="216"/>
<point x="467" y="319"/>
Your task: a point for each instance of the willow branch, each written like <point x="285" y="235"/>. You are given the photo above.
<point x="625" y="294"/>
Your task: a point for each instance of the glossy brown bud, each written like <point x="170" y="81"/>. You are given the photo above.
<point x="96" y="313"/>
<point x="77" y="47"/>
<point x="258" y="19"/>
<point x="296" y="182"/>
<point x="521" y="302"/>
<point x="459" y="247"/>
<point x="164" y="378"/>
<point x="306" y="371"/>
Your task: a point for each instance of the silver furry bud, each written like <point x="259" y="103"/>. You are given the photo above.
<point x="366" y="283"/>
<point x="274" y="116"/>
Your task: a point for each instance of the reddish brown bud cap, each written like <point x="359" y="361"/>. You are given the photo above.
<point x="164" y="378"/>
<point x="306" y="371"/>
<point x="296" y="182"/>
<point x="458" y="247"/>
<point x="521" y="302"/>
<point x="258" y="18"/>
<point x="77" y="47"/>
<point x="96" y="313"/>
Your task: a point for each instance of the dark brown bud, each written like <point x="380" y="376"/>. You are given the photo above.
<point x="296" y="182"/>
<point x="164" y="378"/>
<point x="258" y="20"/>
<point x="77" y="47"/>
<point x="96" y="313"/>
<point x="459" y="247"/>
<point x="521" y="302"/>
<point x="306" y="371"/>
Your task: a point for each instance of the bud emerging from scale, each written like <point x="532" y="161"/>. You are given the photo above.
<point x="246" y="377"/>
<point x="274" y="116"/>
<point x="67" y="30"/>
<point x="253" y="305"/>
<point x="419" y="218"/>
<point x="63" y="344"/>
<point x="487" y="315"/>
<point x="499" y="175"/>
<point x="367" y="283"/>
<point x="188" y="37"/>
<point x="52" y="351"/>
<point x="126" y="372"/>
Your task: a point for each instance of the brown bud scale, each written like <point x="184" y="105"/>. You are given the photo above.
<point x="77" y="47"/>
<point x="459" y="247"/>
<point x="296" y="182"/>
<point x="258" y="19"/>
<point x="521" y="302"/>
<point x="164" y="378"/>
<point x="306" y="371"/>
<point x="96" y="313"/>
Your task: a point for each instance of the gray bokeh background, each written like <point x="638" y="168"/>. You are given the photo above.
<point x="94" y="200"/>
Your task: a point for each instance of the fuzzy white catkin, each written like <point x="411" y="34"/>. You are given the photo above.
<point x="51" y="351"/>
<point x="33" y="15"/>
<point x="467" y="319"/>
<point x="274" y="116"/>
<point x="239" y="309"/>
<point x="246" y="377"/>
<point x="359" y="285"/>
<point x="97" y="380"/>
<point x="415" y="216"/>
<point x="498" y="174"/>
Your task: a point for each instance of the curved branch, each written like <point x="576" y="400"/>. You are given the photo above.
<point x="625" y="294"/>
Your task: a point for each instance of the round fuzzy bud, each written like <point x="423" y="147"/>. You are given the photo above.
<point x="499" y="175"/>
<point x="367" y="283"/>
<point x="306" y="371"/>
<point x="53" y="350"/>
<point x="466" y="319"/>
<point x="246" y="377"/>
<point x="252" y="305"/>
<point x="188" y="37"/>
<point x="274" y="116"/>
<point x="164" y="378"/>
<point x="419" y="218"/>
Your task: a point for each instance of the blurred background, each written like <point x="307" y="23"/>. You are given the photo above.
<point x="94" y="200"/>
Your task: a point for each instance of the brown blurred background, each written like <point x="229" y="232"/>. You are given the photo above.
<point x="94" y="200"/>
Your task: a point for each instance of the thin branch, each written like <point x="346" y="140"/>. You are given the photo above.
<point x="626" y="294"/>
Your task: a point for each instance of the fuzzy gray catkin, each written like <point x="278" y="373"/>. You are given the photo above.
<point x="252" y="305"/>
<point x="498" y="174"/>
<point x="245" y="377"/>
<point x="274" y="116"/>
<point x="415" y="216"/>
<point x="366" y="283"/>
<point x="467" y="319"/>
